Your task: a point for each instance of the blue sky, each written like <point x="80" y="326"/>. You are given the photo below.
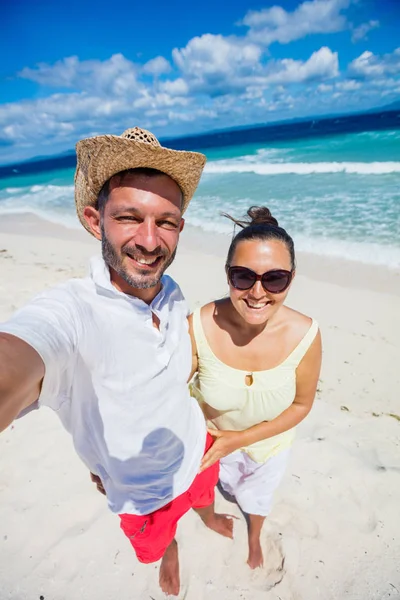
<point x="81" y="68"/>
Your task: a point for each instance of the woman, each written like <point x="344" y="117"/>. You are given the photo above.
<point x="257" y="364"/>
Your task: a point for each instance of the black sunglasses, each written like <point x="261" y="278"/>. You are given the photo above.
<point x="275" y="281"/>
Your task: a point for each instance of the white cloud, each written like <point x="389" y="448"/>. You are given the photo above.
<point x="324" y="88"/>
<point x="386" y="82"/>
<point x="215" y="63"/>
<point x="175" y="87"/>
<point x="32" y="121"/>
<point x="323" y="64"/>
<point x="116" y="75"/>
<point x="366" y="65"/>
<point x="157" y="66"/>
<point x="151" y="100"/>
<point x="372" y="66"/>
<point x="62" y="74"/>
<point x="278" y="25"/>
<point x="360" y="32"/>
<point x="348" y="85"/>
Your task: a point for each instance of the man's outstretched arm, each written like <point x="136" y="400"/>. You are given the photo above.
<point x="21" y="374"/>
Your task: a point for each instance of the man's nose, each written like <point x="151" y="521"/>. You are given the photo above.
<point x="147" y="236"/>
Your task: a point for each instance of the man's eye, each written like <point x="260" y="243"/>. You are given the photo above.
<point x="168" y="224"/>
<point x="127" y="218"/>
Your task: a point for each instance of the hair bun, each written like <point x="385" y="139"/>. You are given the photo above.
<point x="261" y="215"/>
<point x="256" y="215"/>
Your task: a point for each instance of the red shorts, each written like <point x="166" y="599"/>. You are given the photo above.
<point x="150" y="535"/>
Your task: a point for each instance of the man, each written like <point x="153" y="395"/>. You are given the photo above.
<point x="111" y="352"/>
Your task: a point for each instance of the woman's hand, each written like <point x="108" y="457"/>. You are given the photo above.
<point x="225" y="442"/>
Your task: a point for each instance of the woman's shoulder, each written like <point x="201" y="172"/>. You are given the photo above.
<point x="212" y="309"/>
<point x="301" y="331"/>
<point x="204" y="312"/>
<point x="297" y="323"/>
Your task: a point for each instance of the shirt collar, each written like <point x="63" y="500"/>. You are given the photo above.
<point x="100" y="274"/>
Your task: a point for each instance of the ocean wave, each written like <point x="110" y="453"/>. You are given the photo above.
<point x="38" y="194"/>
<point x="365" y="252"/>
<point x="51" y="202"/>
<point x="302" y="168"/>
<point x="67" y="219"/>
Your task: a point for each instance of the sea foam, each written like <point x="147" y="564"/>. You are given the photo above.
<point x="302" y="168"/>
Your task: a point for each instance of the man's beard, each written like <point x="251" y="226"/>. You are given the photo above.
<point x="142" y="280"/>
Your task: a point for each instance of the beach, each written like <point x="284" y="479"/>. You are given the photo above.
<point x="334" y="531"/>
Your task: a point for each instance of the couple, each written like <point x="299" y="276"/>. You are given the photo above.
<point x="112" y="355"/>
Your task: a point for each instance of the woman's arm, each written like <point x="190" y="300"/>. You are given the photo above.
<point x="194" y="347"/>
<point x="307" y="375"/>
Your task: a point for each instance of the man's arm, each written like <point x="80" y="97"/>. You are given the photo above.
<point x="21" y="375"/>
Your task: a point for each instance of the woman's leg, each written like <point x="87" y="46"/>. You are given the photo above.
<point x="255" y="524"/>
<point x="254" y="494"/>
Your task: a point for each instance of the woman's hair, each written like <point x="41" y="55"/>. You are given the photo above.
<point x="260" y="225"/>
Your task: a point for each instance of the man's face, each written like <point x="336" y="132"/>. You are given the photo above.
<point x="140" y="229"/>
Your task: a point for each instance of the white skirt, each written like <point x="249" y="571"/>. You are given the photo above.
<point x="252" y="484"/>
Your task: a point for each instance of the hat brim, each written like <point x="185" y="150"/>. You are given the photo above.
<point x="101" y="157"/>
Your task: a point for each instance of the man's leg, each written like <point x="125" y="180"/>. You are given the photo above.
<point x="169" y="570"/>
<point x="153" y="538"/>
<point x="202" y="494"/>
<point x="221" y="523"/>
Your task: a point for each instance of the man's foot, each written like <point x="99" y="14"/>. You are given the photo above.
<point x="221" y="523"/>
<point x="256" y="558"/>
<point x="169" y="570"/>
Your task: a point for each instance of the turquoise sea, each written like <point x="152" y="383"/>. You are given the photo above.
<point x="337" y="195"/>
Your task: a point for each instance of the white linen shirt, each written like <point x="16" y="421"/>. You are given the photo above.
<point x="119" y="385"/>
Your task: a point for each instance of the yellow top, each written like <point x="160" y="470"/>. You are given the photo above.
<point x="228" y="403"/>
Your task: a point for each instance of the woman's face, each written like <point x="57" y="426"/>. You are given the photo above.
<point x="256" y="305"/>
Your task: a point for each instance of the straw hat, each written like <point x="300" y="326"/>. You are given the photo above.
<point x="101" y="157"/>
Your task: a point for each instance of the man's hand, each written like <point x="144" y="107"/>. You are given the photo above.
<point x="96" y="479"/>
<point x="225" y="443"/>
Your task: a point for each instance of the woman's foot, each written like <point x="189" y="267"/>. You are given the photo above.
<point x="169" y="570"/>
<point x="256" y="558"/>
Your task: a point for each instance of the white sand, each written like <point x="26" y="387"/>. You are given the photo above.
<point x="336" y="519"/>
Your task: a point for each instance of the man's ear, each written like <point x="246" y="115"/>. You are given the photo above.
<point x="92" y="218"/>
<point x="182" y="225"/>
